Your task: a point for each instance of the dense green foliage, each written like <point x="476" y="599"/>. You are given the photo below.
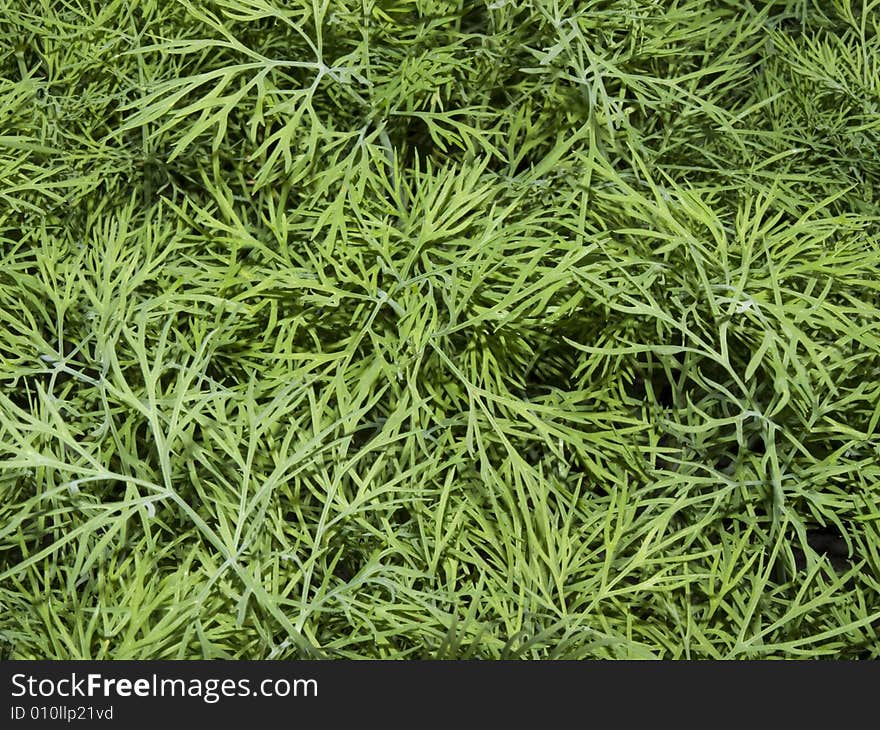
<point x="439" y="328"/>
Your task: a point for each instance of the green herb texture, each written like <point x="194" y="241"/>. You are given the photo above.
<point x="440" y="329"/>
